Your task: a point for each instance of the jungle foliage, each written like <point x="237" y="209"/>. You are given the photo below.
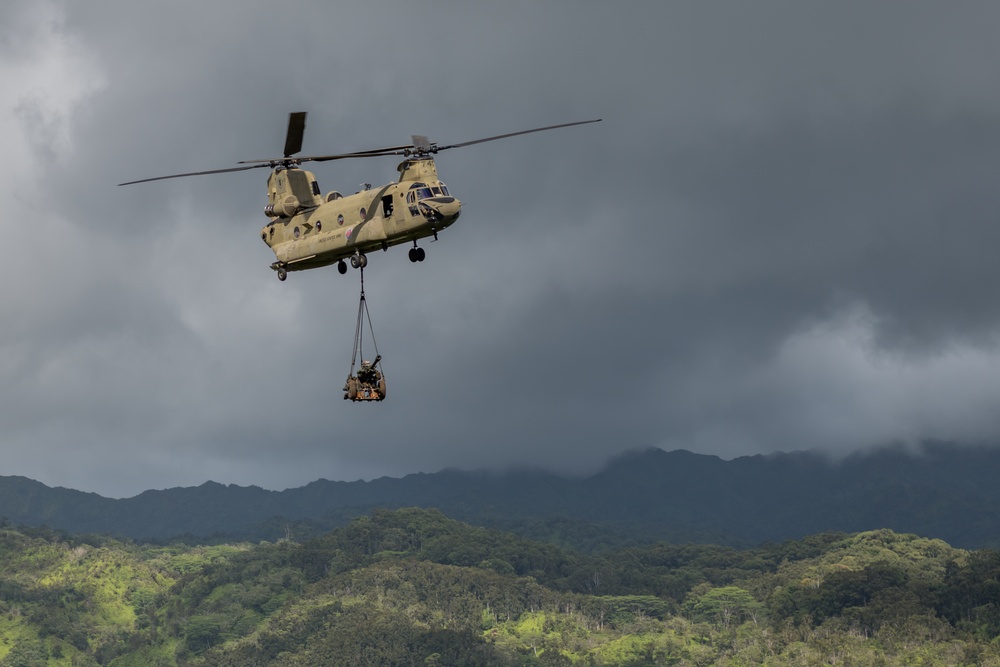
<point x="413" y="587"/>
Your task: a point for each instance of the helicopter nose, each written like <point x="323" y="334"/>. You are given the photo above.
<point x="443" y="209"/>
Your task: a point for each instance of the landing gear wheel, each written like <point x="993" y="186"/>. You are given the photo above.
<point x="342" y="267"/>
<point x="282" y="274"/>
<point x="359" y="261"/>
<point x="354" y="262"/>
<point x="420" y="254"/>
<point x="412" y="254"/>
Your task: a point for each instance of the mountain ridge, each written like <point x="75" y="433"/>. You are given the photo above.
<point x="938" y="490"/>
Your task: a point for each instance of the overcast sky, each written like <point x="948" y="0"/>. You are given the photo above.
<point x="782" y="236"/>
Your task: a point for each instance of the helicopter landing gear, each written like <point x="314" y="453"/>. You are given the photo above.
<point x="417" y="254"/>
<point x="359" y="261"/>
<point x="342" y="267"/>
<point x="282" y="274"/>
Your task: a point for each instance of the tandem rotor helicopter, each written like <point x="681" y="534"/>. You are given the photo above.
<point x="307" y="229"/>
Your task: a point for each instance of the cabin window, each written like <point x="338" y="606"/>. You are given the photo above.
<point x="387" y="206"/>
<point x="363" y="212"/>
<point x="319" y="225"/>
<point x="340" y="219"/>
<point x="295" y="232"/>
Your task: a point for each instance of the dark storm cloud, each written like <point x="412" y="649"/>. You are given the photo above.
<point x="778" y="238"/>
<point x="893" y="211"/>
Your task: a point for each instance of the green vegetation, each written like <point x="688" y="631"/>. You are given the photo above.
<point x="412" y="587"/>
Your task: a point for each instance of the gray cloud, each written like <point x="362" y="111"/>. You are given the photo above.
<point x="779" y="237"/>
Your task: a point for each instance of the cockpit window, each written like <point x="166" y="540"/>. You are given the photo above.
<point x="444" y="190"/>
<point x="418" y="191"/>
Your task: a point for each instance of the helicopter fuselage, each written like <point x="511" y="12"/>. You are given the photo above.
<point x="307" y="230"/>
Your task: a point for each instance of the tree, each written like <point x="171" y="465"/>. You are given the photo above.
<point x="200" y="632"/>
<point x="726" y="606"/>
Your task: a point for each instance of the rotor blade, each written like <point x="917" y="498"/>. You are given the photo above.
<point x="392" y="150"/>
<point x="296" y="128"/>
<point x="196" y="173"/>
<point x="378" y="152"/>
<point x="421" y="142"/>
<point x="514" y="134"/>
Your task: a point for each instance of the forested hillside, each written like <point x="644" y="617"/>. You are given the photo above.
<point x="944" y="491"/>
<point x="413" y="587"/>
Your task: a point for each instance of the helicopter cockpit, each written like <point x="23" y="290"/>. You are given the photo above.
<point x="420" y="191"/>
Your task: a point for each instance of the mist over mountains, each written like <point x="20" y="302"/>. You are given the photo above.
<point x="937" y="490"/>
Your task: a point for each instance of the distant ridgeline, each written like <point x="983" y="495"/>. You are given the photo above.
<point x="941" y="491"/>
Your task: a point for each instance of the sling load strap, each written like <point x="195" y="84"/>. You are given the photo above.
<point x="363" y="315"/>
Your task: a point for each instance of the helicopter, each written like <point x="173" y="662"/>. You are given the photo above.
<point x="307" y="229"/>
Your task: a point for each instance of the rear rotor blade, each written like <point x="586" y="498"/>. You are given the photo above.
<point x="196" y="173"/>
<point x="296" y="128"/>
<point x="392" y="150"/>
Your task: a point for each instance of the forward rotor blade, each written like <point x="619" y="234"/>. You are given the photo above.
<point x="514" y="134"/>
<point x="196" y="173"/>
<point x="296" y="128"/>
<point x="378" y="152"/>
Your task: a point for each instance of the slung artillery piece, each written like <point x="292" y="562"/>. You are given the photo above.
<point x="368" y="383"/>
<point x="308" y="229"/>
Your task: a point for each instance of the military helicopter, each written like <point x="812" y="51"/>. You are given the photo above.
<point x="308" y="230"/>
